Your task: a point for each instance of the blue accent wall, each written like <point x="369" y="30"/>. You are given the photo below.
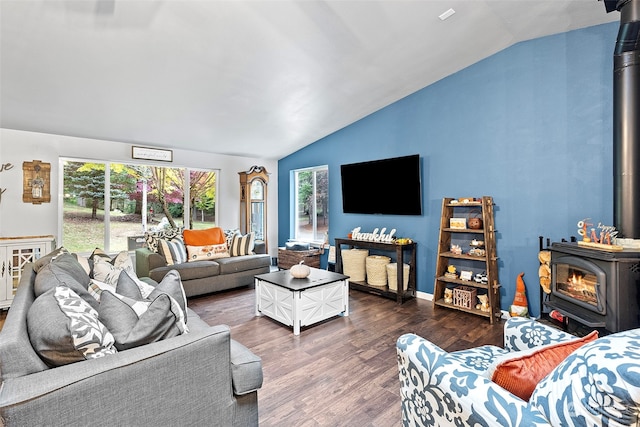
<point x="530" y="126"/>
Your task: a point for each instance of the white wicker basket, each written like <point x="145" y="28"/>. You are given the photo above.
<point x="353" y="264"/>
<point x="392" y="273"/>
<point x="377" y="270"/>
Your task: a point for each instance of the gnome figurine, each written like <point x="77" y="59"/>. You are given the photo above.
<point x="519" y="308"/>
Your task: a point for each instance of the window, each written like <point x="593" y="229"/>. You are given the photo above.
<point x="257" y="209"/>
<point x="139" y="197"/>
<point x="312" y="207"/>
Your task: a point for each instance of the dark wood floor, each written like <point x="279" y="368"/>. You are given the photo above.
<point x="342" y="371"/>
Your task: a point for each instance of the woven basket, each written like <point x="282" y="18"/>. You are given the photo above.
<point x="353" y="264"/>
<point x="392" y="276"/>
<point x="289" y="258"/>
<point x="377" y="270"/>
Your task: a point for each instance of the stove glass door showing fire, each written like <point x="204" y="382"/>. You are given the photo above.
<point x="580" y="282"/>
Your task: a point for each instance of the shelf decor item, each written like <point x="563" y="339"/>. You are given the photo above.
<point x="353" y="262"/>
<point x="466" y="275"/>
<point x="458" y="223"/>
<point x="464" y="296"/>
<point x="377" y="270"/>
<point x="483" y="303"/>
<point x="475" y="221"/>
<point x="452" y="272"/>
<point x="448" y="296"/>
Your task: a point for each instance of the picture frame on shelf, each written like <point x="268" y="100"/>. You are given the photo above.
<point x="458" y="223"/>
<point x="466" y="275"/>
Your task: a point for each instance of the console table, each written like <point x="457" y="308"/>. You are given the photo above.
<point x="15" y="253"/>
<point x="401" y="295"/>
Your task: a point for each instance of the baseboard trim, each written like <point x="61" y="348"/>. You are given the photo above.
<point x="424" y="295"/>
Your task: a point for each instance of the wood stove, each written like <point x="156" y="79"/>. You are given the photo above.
<point x="596" y="288"/>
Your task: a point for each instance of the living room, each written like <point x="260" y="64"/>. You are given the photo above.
<point x="530" y="125"/>
<point x="517" y="126"/>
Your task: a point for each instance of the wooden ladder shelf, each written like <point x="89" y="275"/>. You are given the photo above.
<point x="473" y="264"/>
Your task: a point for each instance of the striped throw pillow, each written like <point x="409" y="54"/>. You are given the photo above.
<point x="173" y="250"/>
<point x="242" y="245"/>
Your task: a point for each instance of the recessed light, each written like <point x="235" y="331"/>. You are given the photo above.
<point x="446" y="14"/>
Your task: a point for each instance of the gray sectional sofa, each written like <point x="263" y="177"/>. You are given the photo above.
<point x="203" y="277"/>
<point x="199" y="378"/>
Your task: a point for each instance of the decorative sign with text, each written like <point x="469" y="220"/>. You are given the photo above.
<point x="151" y="154"/>
<point x="373" y="237"/>
<point x="3" y="168"/>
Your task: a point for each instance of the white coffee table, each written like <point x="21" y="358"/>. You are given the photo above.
<point x="302" y="302"/>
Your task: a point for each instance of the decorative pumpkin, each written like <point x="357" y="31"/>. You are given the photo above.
<point x="475" y="219"/>
<point x="300" y="271"/>
<point x="475" y="223"/>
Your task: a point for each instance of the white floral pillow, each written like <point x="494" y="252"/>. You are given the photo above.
<point x="597" y="385"/>
<point x="107" y="270"/>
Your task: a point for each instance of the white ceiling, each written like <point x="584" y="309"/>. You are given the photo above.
<point x="260" y="78"/>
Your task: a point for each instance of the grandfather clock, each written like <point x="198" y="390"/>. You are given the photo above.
<point x="253" y="202"/>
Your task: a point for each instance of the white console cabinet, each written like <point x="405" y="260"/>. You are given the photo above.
<point x="15" y="252"/>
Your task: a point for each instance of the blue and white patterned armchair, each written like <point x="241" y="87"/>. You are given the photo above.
<point x="597" y="385"/>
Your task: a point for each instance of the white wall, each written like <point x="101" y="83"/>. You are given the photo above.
<point x="26" y="219"/>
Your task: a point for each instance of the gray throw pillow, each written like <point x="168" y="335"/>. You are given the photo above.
<point x="128" y="287"/>
<point x="48" y="258"/>
<point x="170" y="285"/>
<point x="64" y="329"/>
<point x="135" y="323"/>
<point x="65" y="270"/>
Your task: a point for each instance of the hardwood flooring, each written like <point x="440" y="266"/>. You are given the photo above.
<point x="342" y="371"/>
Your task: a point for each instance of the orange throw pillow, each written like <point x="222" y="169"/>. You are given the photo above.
<point x="209" y="236"/>
<point x="521" y="371"/>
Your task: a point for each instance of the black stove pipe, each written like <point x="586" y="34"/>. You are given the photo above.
<point x="626" y="121"/>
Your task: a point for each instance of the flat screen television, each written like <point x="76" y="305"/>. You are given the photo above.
<point x="387" y="186"/>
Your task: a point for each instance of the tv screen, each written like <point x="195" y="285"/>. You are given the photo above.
<point x="387" y="186"/>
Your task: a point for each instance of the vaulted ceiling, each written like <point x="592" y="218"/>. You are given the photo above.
<point x="260" y="78"/>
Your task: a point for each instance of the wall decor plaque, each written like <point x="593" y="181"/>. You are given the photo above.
<point x="151" y="154"/>
<point x="36" y="182"/>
